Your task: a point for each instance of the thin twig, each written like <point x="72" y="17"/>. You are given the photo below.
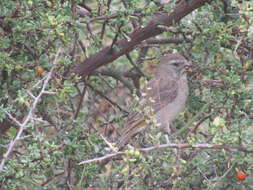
<point x="80" y="102"/>
<point x="169" y="41"/>
<point x="113" y="148"/>
<point x="134" y="65"/>
<point x="102" y="158"/>
<point x="172" y="145"/>
<point x="116" y="36"/>
<point x="235" y="50"/>
<point x="116" y="74"/>
<point x="23" y="125"/>
<point x="106" y="98"/>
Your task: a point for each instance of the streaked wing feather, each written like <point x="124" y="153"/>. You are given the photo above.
<point x="160" y="92"/>
<point x="135" y="123"/>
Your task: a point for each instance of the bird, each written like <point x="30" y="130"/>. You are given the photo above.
<point x="165" y="95"/>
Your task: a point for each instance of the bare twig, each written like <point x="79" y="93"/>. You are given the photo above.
<point x="200" y="121"/>
<point x="113" y="148"/>
<point x="82" y="4"/>
<point x="235" y="50"/>
<point x="106" y="98"/>
<point x="134" y="65"/>
<point x="23" y="125"/>
<point x="176" y="146"/>
<point x="116" y="36"/>
<point x="102" y="158"/>
<point x="116" y="74"/>
<point x="80" y="102"/>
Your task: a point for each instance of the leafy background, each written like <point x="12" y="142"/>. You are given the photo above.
<point x="75" y="120"/>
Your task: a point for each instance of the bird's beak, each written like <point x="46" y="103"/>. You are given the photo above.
<point x="187" y="67"/>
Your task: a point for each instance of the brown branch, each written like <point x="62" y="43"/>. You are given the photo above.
<point x="82" y="46"/>
<point x="116" y="74"/>
<point x="200" y="122"/>
<point x="116" y="36"/>
<point x="168" y="41"/>
<point x="134" y="65"/>
<point x="103" y="30"/>
<point x="86" y="7"/>
<point x="31" y="51"/>
<point x="106" y="56"/>
<point x="80" y="103"/>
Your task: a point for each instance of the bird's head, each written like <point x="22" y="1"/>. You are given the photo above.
<point x="175" y="62"/>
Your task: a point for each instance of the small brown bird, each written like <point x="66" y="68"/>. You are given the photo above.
<point x="166" y="95"/>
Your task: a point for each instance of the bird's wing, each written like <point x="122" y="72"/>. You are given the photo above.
<point x="156" y="94"/>
<point x="160" y="92"/>
<point x="135" y="123"/>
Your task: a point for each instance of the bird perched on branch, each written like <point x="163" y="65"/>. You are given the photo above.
<point x="165" y="95"/>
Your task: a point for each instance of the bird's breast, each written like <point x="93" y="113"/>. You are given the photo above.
<point x="171" y="110"/>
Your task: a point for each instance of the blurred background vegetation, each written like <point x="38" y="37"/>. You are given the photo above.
<point x="57" y="120"/>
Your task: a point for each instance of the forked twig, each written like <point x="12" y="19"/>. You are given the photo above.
<point x="23" y="125"/>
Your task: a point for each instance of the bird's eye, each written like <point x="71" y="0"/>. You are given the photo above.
<point x="176" y="64"/>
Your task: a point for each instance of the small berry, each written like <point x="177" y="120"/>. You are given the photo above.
<point x="241" y="176"/>
<point x="218" y="58"/>
<point x="40" y="71"/>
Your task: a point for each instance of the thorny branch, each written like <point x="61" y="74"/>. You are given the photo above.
<point x="29" y="117"/>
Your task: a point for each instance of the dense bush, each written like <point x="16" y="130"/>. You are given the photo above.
<point x="52" y="119"/>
